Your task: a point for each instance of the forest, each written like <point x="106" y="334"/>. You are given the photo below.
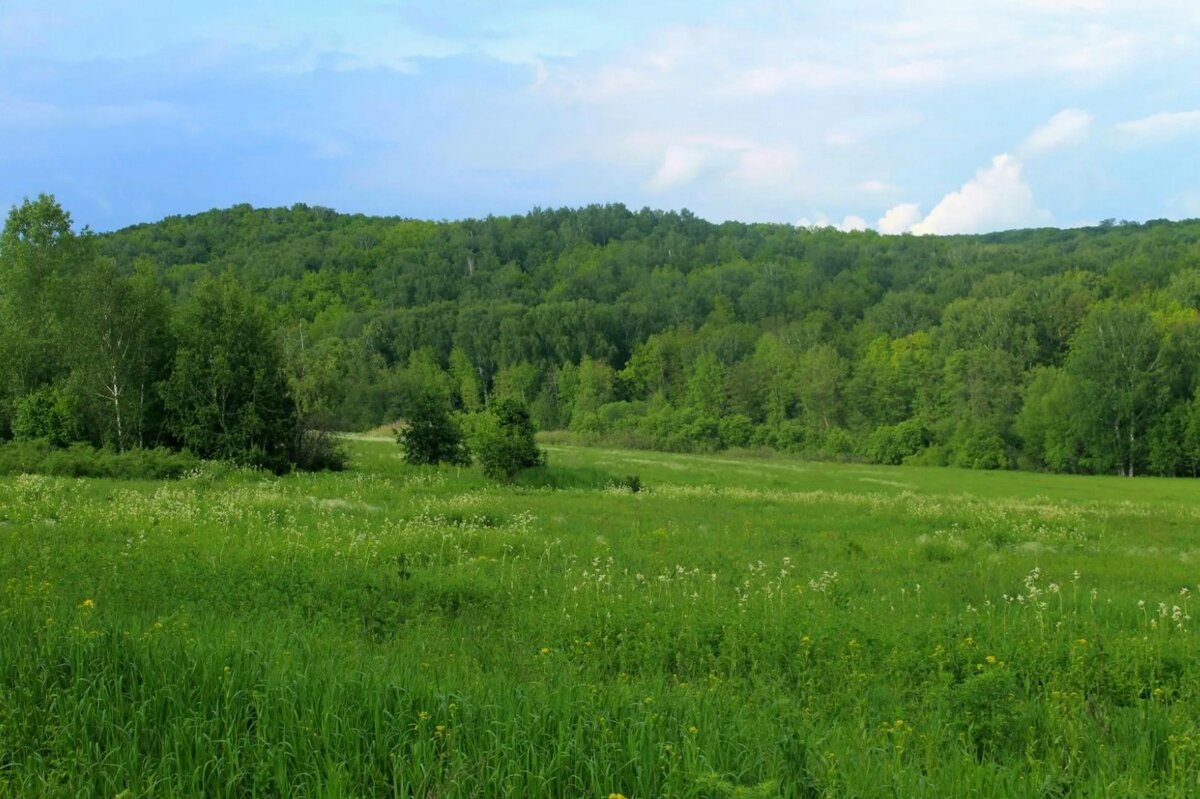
<point x="237" y="333"/>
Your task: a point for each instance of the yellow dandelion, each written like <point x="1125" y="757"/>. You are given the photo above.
<point x="616" y="796"/>
<point x="545" y="650"/>
<point x="90" y="604"/>
<point x="991" y="659"/>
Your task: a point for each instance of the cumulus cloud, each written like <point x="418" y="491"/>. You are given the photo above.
<point x="1162" y="127"/>
<point x="1066" y="128"/>
<point x="853" y="223"/>
<point x="997" y="198"/>
<point x="899" y="219"/>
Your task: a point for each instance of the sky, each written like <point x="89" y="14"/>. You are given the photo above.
<point x="921" y="116"/>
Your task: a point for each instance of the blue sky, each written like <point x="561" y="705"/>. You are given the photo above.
<point x="927" y="116"/>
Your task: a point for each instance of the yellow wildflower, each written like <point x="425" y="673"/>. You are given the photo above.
<point x="90" y="604"/>
<point x="422" y="716"/>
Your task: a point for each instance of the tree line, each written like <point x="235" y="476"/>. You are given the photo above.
<point x="1061" y="350"/>
<point x="95" y="354"/>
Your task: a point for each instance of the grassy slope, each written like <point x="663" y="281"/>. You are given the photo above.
<point x="765" y="626"/>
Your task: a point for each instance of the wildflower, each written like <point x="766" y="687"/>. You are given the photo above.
<point x="89" y="604"/>
<point x="693" y="730"/>
<point x="616" y="796"/>
<point x="991" y="659"/>
<point x="422" y="716"/>
<point x="545" y="650"/>
<point x="439" y="729"/>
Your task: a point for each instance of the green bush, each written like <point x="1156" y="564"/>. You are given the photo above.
<point x="48" y="414"/>
<point x="979" y="447"/>
<point x="735" y="430"/>
<point x="431" y="435"/>
<point x="504" y="442"/>
<point x="891" y="444"/>
<point x="83" y="460"/>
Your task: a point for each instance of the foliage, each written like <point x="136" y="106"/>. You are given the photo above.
<point x="227" y="395"/>
<point x="430" y="435"/>
<point x="504" y="444"/>
<point x="645" y="328"/>
<point x="48" y="413"/>
<point x="83" y="460"/>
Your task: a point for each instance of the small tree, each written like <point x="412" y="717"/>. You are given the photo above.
<point x="228" y="396"/>
<point x="505" y="445"/>
<point x="431" y="436"/>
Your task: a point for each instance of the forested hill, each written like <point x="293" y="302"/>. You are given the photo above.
<point x="1071" y="350"/>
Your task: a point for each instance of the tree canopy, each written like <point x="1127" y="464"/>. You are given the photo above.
<point x="1068" y="350"/>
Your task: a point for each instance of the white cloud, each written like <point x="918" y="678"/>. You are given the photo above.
<point x="877" y="187"/>
<point x="1066" y="128"/>
<point x="680" y="165"/>
<point x="853" y="223"/>
<point x="899" y="219"/>
<point x="742" y="161"/>
<point x="997" y="198"/>
<point x="1162" y="127"/>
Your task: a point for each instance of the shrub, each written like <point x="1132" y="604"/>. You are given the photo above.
<point x="319" y="451"/>
<point x="735" y="430"/>
<point x="891" y="444"/>
<point x="84" y="460"/>
<point x="505" y="442"/>
<point x="47" y="414"/>
<point x="431" y="435"/>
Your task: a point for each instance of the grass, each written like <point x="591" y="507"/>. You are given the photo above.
<point x="743" y="626"/>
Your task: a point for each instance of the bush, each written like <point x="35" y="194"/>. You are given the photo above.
<point x="735" y="430"/>
<point x="84" y="460"/>
<point x="891" y="444"/>
<point x="47" y="414"/>
<point x="979" y="447"/>
<point x="319" y="451"/>
<point x="505" y="442"/>
<point x="431" y="435"/>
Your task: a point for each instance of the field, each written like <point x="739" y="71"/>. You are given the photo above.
<point x="739" y="627"/>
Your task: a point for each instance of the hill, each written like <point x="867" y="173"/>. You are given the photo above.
<point x="236" y="333"/>
<point x="660" y="329"/>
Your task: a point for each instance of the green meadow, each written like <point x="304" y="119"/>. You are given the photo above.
<point x="741" y="626"/>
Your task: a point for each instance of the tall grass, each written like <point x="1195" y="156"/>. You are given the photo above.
<point x="739" y="627"/>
